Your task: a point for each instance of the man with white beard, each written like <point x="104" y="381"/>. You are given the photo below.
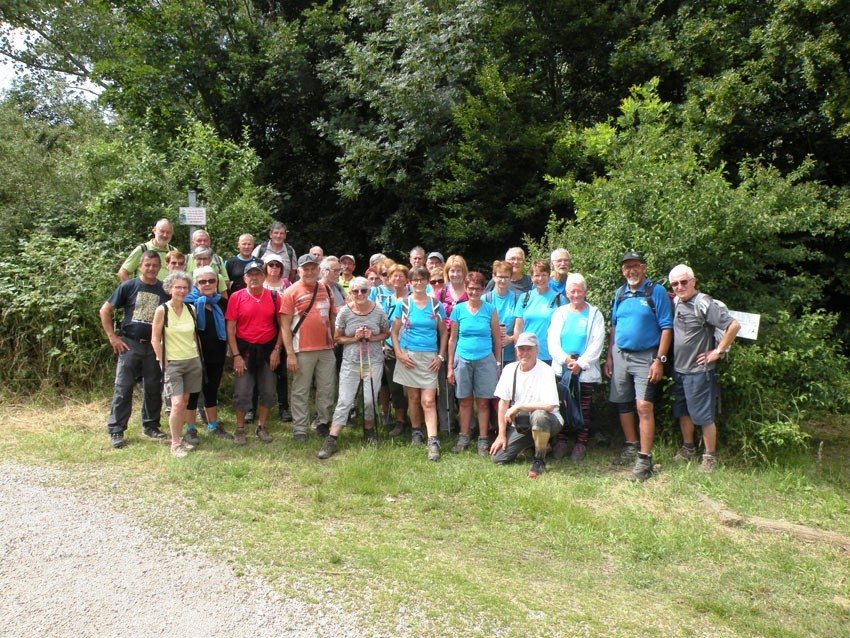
<point x="640" y="339"/>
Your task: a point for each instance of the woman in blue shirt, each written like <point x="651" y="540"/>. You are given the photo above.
<point x="534" y="308"/>
<point x="419" y="342"/>
<point x="475" y="339"/>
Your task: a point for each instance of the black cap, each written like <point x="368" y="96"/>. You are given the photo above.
<point x="633" y="255"/>
<point x="254" y="264"/>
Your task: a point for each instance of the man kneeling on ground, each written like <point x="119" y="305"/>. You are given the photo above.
<point x="528" y="403"/>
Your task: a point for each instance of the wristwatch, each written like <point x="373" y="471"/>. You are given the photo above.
<point x="662" y="359"/>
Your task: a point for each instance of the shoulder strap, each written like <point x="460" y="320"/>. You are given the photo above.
<point x="264" y="246"/>
<point x="301" y="319"/>
<point x="525" y="299"/>
<point x="274" y="304"/>
<point x="488" y="297"/>
<point x="513" y="391"/>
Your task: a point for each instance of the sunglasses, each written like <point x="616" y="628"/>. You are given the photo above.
<point x="683" y="283"/>
<point x="274" y="264"/>
<point x="384" y="274"/>
<point x="359" y="291"/>
<point x="204" y="282"/>
<point x="434" y="282"/>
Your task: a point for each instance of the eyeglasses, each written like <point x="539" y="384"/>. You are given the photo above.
<point x="434" y="282"/>
<point x="417" y="281"/>
<point x="334" y="269"/>
<point x="272" y="264"/>
<point x="474" y="289"/>
<point x="204" y="282"/>
<point x="384" y="274"/>
<point x="682" y="283"/>
<point x="359" y="291"/>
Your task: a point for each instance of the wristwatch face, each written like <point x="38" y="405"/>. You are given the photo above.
<point x="662" y="359"/>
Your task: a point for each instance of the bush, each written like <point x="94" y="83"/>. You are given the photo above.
<point x="50" y="333"/>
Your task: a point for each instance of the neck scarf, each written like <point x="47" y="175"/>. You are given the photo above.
<point x="200" y="301"/>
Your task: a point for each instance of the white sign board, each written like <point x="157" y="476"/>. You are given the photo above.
<point x="749" y="324"/>
<point x="193" y="216"/>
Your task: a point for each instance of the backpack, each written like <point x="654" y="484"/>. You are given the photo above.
<point x="435" y="306"/>
<point x="290" y="252"/>
<point x="191" y="310"/>
<point x="557" y="301"/>
<point x="702" y="302"/>
<point x="646" y="293"/>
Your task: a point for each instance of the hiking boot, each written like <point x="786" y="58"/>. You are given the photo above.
<point x="537" y="468"/>
<point x="600" y="439"/>
<point x="191" y="437"/>
<point x="239" y="437"/>
<point x="627" y="456"/>
<point x="370" y="437"/>
<point x="398" y="430"/>
<point x="263" y="434"/>
<point x="179" y="450"/>
<point x="434" y="450"/>
<point x="642" y="469"/>
<point x="417" y="436"/>
<point x="685" y="454"/>
<point x="299" y="437"/>
<point x="221" y="433"/>
<point x="560" y="449"/>
<point x="322" y="430"/>
<point x="579" y="452"/>
<point x="328" y="448"/>
<point x="154" y="433"/>
<point x="483" y="446"/>
<point x="117" y="440"/>
<point x="249" y="416"/>
<point x="285" y="415"/>
<point x="462" y="444"/>
<point x="708" y="464"/>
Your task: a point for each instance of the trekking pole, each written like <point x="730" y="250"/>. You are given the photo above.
<point x="371" y="387"/>
<point x="362" y="386"/>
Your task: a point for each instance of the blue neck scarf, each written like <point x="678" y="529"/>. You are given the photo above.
<point x="200" y="301"/>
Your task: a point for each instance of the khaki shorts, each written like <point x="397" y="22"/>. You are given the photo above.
<point x="183" y="377"/>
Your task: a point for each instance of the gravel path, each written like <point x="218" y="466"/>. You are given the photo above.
<point x="70" y="565"/>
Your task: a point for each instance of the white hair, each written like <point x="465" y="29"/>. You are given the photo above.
<point x="681" y="268"/>
<point x="557" y="252"/>
<point x="577" y="279"/>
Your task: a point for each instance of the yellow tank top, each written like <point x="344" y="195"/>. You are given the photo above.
<point x="180" y="341"/>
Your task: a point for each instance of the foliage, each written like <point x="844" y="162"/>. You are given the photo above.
<point x="50" y="333"/>
<point x="659" y="194"/>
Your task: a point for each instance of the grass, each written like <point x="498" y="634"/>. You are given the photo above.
<point x="464" y="547"/>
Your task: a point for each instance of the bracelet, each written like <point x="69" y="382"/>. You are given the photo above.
<point x="238" y="355"/>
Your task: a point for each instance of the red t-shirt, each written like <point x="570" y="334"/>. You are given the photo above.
<point x="315" y="332"/>
<point x="254" y="317"/>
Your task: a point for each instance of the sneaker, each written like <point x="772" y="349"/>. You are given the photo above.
<point x="155" y="434"/>
<point x="117" y="440"/>
<point x="685" y="454"/>
<point x="322" y="430"/>
<point x="191" y="437"/>
<point x="263" y="434"/>
<point x="600" y="439"/>
<point x="579" y="452"/>
<point x="370" y="437"/>
<point x="434" y="450"/>
<point x="249" y="416"/>
<point x="328" y="448"/>
<point x="461" y="445"/>
<point x="398" y="430"/>
<point x="642" y="469"/>
<point x="179" y="450"/>
<point x="627" y="456"/>
<point x="560" y="449"/>
<point x="221" y="433"/>
<point x="708" y="464"/>
<point x="417" y="436"/>
<point x="299" y="437"/>
<point x="537" y="468"/>
<point x="239" y="437"/>
<point x="285" y="415"/>
<point x="483" y="446"/>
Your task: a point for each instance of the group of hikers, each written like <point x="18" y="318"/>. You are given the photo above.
<point x="424" y="344"/>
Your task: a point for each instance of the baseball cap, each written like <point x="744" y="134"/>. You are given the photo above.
<point x="303" y="260"/>
<point x="351" y="257"/>
<point x="254" y="264"/>
<point x="633" y="255"/>
<point x="527" y="339"/>
<point x="436" y="255"/>
<point x="272" y="257"/>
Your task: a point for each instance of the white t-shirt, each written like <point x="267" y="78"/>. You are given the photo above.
<point x="535" y="387"/>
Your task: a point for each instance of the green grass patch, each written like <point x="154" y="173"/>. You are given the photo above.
<point x="465" y="547"/>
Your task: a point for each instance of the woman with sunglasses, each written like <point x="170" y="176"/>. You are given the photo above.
<point x="437" y="280"/>
<point x="276" y="282"/>
<point x="474" y="342"/>
<point x="419" y="342"/>
<point x="361" y="327"/>
<point x="209" y="307"/>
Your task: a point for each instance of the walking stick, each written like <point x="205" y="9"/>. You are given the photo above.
<point x="362" y="386"/>
<point x="371" y="387"/>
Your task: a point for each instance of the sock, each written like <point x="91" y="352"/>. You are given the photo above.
<point x="433" y="439"/>
<point x="191" y="428"/>
<point x="641" y="455"/>
<point x="334" y="437"/>
<point x="212" y="425"/>
<point x="690" y="446"/>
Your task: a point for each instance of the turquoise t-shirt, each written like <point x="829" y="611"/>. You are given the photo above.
<point x="574" y="331"/>
<point x="536" y="316"/>
<point x="419" y="329"/>
<point x="474" y="336"/>
<point x="506" y="307"/>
